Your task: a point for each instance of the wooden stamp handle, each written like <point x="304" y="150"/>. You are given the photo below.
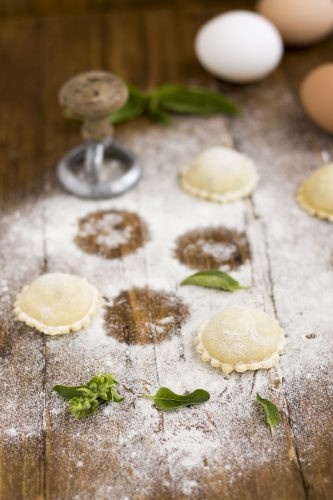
<point x="91" y="97"/>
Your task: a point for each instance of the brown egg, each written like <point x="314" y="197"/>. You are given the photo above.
<point x="316" y="94"/>
<point x="300" y="22"/>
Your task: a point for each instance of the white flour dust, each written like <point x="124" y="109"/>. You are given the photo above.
<point x="132" y="443"/>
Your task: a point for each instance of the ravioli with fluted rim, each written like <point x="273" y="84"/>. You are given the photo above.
<point x="220" y="174"/>
<point x="240" y="338"/>
<point x="57" y="303"/>
<point x="315" y="194"/>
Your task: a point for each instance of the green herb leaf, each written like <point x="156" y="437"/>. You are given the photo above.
<point x="68" y="392"/>
<point x="272" y="413"/>
<point x="214" y="279"/>
<point x="167" y="400"/>
<point x="115" y="397"/>
<point x="171" y="98"/>
<point x="83" y="407"/>
<point x="135" y="106"/>
<point x="156" y="113"/>
<point x="84" y="399"/>
<point x="194" y="101"/>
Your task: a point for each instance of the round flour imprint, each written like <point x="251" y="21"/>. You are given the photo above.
<point x="111" y="233"/>
<point x="212" y="247"/>
<point x="145" y="316"/>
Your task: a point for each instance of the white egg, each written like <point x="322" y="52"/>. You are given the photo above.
<point x="239" y="46"/>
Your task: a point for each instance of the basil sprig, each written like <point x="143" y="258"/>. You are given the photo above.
<point x="84" y="399"/>
<point x="272" y="413"/>
<point x="193" y="101"/>
<point x="167" y="400"/>
<point x="161" y="101"/>
<point x="137" y="104"/>
<point x="214" y="279"/>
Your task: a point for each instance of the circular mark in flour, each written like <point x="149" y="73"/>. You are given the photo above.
<point x="212" y="247"/>
<point x="111" y="233"/>
<point x="145" y="316"/>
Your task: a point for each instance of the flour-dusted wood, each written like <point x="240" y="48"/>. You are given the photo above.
<point x="22" y="356"/>
<point x="221" y="449"/>
<point x="22" y="366"/>
<point x="299" y="249"/>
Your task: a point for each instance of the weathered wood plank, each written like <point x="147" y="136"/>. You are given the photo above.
<point x="240" y="389"/>
<point x="197" y="452"/>
<point x="21" y="258"/>
<point x="299" y="250"/>
<point x="63" y="7"/>
<point x="21" y="366"/>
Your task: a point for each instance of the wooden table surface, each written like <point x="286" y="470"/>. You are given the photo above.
<point x="43" y="452"/>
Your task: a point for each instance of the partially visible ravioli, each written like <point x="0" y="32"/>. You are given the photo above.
<point x="240" y="338"/>
<point x="57" y="303"/>
<point x="315" y="195"/>
<point x="220" y="174"/>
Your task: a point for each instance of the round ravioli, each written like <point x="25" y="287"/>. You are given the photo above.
<point x="240" y="338"/>
<point x="220" y="174"/>
<point x="315" y="194"/>
<point x="57" y="303"/>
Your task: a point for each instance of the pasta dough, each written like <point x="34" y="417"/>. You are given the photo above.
<point x="57" y="303"/>
<point x="315" y="194"/>
<point x="240" y="338"/>
<point x="220" y="174"/>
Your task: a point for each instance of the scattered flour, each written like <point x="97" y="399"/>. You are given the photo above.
<point x="130" y="444"/>
<point x="11" y="432"/>
<point x="105" y="231"/>
<point x="217" y="250"/>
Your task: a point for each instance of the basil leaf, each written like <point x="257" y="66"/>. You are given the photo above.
<point x="214" y="279"/>
<point x="156" y="113"/>
<point x="172" y="98"/>
<point x="115" y="397"/>
<point x="272" y="413"/>
<point x="82" y="407"/>
<point x="167" y="400"/>
<point x="135" y="106"/>
<point x="187" y="100"/>
<point x="67" y="392"/>
<point x="83" y="400"/>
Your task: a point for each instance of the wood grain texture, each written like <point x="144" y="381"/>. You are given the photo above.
<point x="291" y="156"/>
<point x="149" y="47"/>
<point x="65" y="7"/>
<point x="22" y="356"/>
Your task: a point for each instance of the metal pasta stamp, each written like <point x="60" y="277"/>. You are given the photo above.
<point x="98" y="168"/>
